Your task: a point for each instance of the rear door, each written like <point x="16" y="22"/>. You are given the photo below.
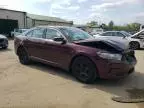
<point x="34" y="42"/>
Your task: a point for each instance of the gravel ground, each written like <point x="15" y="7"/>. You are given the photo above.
<point x="39" y="85"/>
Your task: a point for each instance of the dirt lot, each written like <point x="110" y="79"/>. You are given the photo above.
<point x="39" y="85"/>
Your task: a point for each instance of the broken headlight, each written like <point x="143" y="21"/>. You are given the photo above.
<point x="110" y="56"/>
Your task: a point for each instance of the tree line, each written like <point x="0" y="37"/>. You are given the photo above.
<point x="132" y="27"/>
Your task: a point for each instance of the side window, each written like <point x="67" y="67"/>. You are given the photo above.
<point x="107" y="34"/>
<point x="120" y="34"/>
<point x="114" y="34"/>
<point x="51" y="34"/>
<point x="38" y="33"/>
<point x="29" y="34"/>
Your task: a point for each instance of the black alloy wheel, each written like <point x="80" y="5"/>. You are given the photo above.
<point x="23" y="56"/>
<point x="84" y="70"/>
<point x="134" y="45"/>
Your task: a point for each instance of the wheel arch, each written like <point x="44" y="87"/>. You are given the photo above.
<point x="20" y="47"/>
<point x="134" y="41"/>
<point x="82" y="55"/>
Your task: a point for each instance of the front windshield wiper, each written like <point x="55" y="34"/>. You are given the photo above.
<point x="78" y="39"/>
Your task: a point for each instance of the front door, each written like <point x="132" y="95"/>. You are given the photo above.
<point x="56" y="52"/>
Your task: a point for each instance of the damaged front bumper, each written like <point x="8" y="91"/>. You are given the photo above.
<point x="116" y="69"/>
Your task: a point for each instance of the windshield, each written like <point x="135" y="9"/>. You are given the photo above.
<point x="126" y="33"/>
<point x="75" y="34"/>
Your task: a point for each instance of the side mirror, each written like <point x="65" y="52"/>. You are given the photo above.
<point x="60" y="39"/>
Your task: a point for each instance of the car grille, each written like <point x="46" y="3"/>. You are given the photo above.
<point x="129" y="57"/>
<point x="1" y="40"/>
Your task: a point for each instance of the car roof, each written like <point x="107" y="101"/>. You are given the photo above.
<point x="56" y="27"/>
<point x="112" y="31"/>
<point x="21" y="29"/>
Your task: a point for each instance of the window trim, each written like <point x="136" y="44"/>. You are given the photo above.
<point x="106" y="35"/>
<point x="122" y="34"/>
<point x="28" y="33"/>
<point x="25" y="33"/>
<point x="55" y="30"/>
<point x="32" y="30"/>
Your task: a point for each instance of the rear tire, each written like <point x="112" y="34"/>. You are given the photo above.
<point x="23" y="56"/>
<point x="84" y="70"/>
<point x="134" y="45"/>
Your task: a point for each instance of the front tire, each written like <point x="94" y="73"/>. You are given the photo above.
<point x="23" y="56"/>
<point x="84" y="69"/>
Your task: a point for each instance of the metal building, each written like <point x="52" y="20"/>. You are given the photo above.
<point x="36" y="20"/>
<point x="11" y="19"/>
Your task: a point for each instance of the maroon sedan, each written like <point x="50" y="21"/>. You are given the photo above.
<point x="76" y="51"/>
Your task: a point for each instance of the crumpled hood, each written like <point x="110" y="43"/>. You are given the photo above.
<point x="2" y="36"/>
<point x="118" y="45"/>
<point x="123" y="45"/>
<point x="124" y="41"/>
<point x="136" y="34"/>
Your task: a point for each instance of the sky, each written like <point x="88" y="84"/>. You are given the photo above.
<point x="83" y="11"/>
